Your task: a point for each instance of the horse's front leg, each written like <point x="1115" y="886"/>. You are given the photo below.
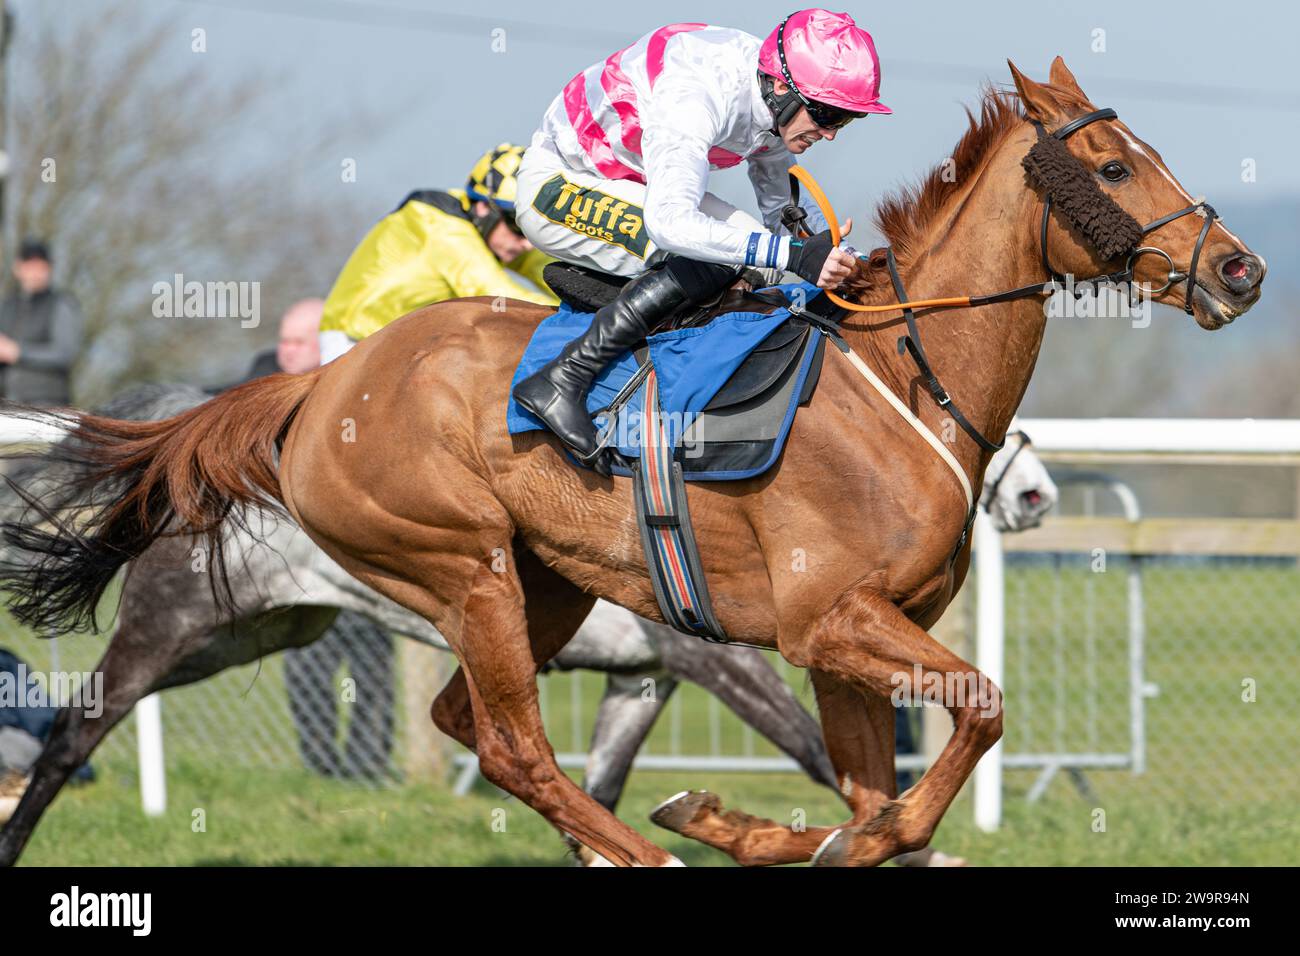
<point x="860" y="652"/>
<point x="867" y="642"/>
<point x="859" y="732"/>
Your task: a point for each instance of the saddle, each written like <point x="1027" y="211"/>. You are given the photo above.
<point x="730" y="374"/>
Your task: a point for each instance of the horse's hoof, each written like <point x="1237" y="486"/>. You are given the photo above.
<point x="12" y="786"/>
<point x="588" y="857"/>
<point x="679" y="811"/>
<point x="834" y="850"/>
<point x="585" y="856"/>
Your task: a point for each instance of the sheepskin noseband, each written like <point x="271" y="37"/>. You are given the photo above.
<point x="1073" y="190"/>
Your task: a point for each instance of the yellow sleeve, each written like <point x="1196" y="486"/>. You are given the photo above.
<point x="470" y="268"/>
<point x="414" y="257"/>
<point x="387" y="275"/>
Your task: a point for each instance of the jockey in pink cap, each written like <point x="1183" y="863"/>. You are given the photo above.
<point x="615" y="179"/>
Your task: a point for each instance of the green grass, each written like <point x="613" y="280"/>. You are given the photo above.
<point x="286" y="818"/>
<point x="1220" y="787"/>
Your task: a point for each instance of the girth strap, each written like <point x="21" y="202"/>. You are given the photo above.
<point x="667" y="535"/>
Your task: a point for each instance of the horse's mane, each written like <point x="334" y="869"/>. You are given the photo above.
<point x="904" y="216"/>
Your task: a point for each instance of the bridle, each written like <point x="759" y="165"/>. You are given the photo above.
<point x="911" y="342"/>
<point x="1125" y="275"/>
<point x="991" y="491"/>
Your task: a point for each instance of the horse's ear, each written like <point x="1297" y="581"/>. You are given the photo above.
<point x="1037" y="98"/>
<point x="1061" y="76"/>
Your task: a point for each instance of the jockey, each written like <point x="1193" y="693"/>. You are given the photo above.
<point x="436" y="246"/>
<point x="615" y="178"/>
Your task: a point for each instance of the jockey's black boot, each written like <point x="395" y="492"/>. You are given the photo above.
<point x="557" y="392"/>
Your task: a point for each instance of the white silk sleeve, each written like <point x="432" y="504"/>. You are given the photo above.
<point x="675" y="150"/>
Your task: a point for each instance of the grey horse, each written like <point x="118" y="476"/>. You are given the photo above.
<point x="172" y="631"/>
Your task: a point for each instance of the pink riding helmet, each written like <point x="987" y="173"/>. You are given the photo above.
<point x="831" y="60"/>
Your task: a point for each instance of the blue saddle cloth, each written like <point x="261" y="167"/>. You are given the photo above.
<point x="691" y="364"/>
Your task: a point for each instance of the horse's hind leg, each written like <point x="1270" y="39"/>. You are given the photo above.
<point x="623" y="721"/>
<point x="151" y="651"/>
<point x="496" y="649"/>
<point x="138" y="660"/>
<point x="859" y="731"/>
<point x="556" y="609"/>
<point x="743" y="680"/>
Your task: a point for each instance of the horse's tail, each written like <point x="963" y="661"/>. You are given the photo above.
<point x="133" y="481"/>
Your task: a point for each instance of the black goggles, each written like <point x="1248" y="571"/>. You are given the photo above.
<point x="827" y="116"/>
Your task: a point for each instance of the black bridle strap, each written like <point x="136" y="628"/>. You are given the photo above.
<point x="1025" y="442"/>
<point x="912" y="343"/>
<point x="1210" y="215"/>
<point x="1080" y="122"/>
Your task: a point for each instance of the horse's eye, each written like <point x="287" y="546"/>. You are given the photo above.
<point x="1114" y="172"/>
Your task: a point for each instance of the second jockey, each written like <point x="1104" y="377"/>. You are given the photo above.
<point x="615" y="179"/>
<point x="436" y="245"/>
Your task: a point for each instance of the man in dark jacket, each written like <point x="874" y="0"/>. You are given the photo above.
<point x="41" y="333"/>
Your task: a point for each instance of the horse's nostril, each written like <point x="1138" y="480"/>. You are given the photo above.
<point x="1236" y="268"/>
<point x="1032" y="497"/>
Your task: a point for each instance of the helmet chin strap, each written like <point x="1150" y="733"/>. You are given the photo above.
<point x="784" y="107"/>
<point x="488" y="221"/>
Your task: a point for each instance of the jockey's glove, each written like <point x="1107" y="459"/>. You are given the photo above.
<point x="808" y="256"/>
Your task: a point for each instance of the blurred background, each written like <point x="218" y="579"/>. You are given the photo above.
<point x="228" y="163"/>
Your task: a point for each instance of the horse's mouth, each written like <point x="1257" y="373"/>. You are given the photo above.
<point x="1214" y="310"/>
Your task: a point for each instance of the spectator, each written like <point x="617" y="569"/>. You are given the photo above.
<point x="41" y="333"/>
<point x="353" y="641"/>
<point x="298" y="350"/>
<point x="24" y="727"/>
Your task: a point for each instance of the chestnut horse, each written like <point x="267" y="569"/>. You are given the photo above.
<point x="395" y="459"/>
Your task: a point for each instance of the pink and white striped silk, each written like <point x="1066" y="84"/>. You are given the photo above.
<point x="665" y="111"/>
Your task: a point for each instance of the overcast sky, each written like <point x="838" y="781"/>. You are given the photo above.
<point x="1208" y="84"/>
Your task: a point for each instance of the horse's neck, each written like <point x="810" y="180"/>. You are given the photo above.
<point x="982" y="356"/>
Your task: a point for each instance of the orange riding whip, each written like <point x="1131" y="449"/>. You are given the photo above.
<point x="824" y="204"/>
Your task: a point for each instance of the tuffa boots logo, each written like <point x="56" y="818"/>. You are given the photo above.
<point x="593" y="213"/>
